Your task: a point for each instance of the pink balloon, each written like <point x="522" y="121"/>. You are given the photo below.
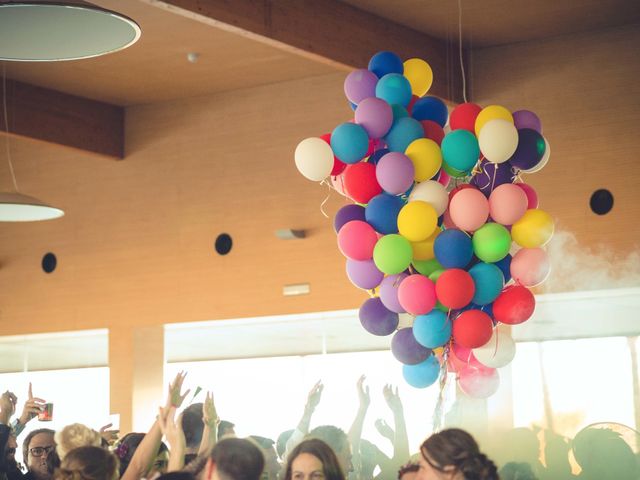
<point x="532" y="196"/>
<point x="444" y="178"/>
<point x="478" y="383"/>
<point x="337" y="182"/>
<point x="356" y="240"/>
<point x="469" y="209"/>
<point x="530" y="266"/>
<point x="417" y="294"/>
<point x="507" y="204"/>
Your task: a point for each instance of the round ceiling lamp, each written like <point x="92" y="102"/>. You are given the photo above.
<point x="16" y="207"/>
<point x="43" y="31"/>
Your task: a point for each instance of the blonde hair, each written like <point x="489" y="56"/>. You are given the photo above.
<point x="74" y="436"/>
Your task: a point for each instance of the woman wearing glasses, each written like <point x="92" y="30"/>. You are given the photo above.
<point x="39" y="454"/>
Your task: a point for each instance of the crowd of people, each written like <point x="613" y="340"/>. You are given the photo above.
<point x="198" y="445"/>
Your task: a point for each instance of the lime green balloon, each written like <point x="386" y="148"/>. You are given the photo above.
<point x="452" y="171"/>
<point x="441" y="307"/>
<point x="392" y="254"/>
<point x="491" y="242"/>
<point x="427" y="267"/>
<point x="433" y="276"/>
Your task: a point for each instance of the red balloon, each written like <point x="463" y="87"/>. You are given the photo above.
<point x="472" y="329"/>
<point x="414" y="99"/>
<point x="455" y="288"/>
<point x="464" y="117"/>
<point x="338" y="166"/>
<point x="433" y="131"/>
<point x="360" y="182"/>
<point x="514" y="305"/>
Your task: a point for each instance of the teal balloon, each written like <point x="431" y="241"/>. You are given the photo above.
<point x="489" y="282"/>
<point x="349" y="142"/>
<point x="398" y="112"/>
<point x="394" y="88"/>
<point x="433" y="329"/>
<point x="460" y="150"/>
<point x="422" y="374"/>
<point x="402" y="133"/>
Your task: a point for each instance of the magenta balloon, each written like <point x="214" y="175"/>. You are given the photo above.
<point x="532" y="196"/>
<point x="395" y="173"/>
<point x="375" y="116"/>
<point x="356" y="240"/>
<point x="364" y="274"/>
<point x="389" y="292"/>
<point x="417" y="294"/>
<point x="360" y="84"/>
<point x="527" y="119"/>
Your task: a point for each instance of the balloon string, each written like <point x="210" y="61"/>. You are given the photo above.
<point x="439" y="409"/>
<point x="326" y="198"/>
<point x="464" y="80"/>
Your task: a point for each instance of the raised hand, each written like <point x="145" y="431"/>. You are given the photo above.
<point x="172" y="430"/>
<point x="32" y="407"/>
<point x="209" y="413"/>
<point x="313" y="398"/>
<point x="176" y="397"/>
<point x="363" y="392"/>
<point x="109" y="436"/>
<point x="7" y="406"/>
<point x="392" y="398"/>
<point x="384" y="429"/>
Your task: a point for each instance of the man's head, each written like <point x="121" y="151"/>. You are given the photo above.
<point x="235" y="459"/>
<point x="225" y="428"/>
<point x="192" y="425"/>
<point x="37" y="446"/>
<point x="339" y="443"/>
<point x="272" y="466"/>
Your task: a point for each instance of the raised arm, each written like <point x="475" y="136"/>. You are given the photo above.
<point x="146" y="452"/>
<point x="172" y="431"/>
<point x="355" y="432"/>
<point x="302" y="429"/>
<point x="31" y="408"/>
<point x="211" y="420"/>
<point x="401" y="439"/>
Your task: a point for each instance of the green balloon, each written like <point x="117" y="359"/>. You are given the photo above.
<point x="427" y="267"/>
<point x="452" y="171"/>
<point x="441" y="307"/>
<point x="460" y="150"/>
<point x="491" y="242"/>
<point x="392" y="254"/>
<point x="433" y="276"/>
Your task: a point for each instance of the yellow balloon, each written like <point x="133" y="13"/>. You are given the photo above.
<point x="426" y="157"/>
<point x="424" y="250"/>
<point x="419" y="74"/>
<point x="491" y="113"/>
<point x="534" y="229"/>
<point x="417" y="221"/>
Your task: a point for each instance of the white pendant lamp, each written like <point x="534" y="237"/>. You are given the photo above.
<point x="45" y="31"/>
<point x="16" y="207"/>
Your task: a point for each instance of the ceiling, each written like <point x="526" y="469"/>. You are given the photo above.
<point x="156" y="69"/>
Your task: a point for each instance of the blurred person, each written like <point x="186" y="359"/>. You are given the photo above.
<point x="271" y="464"/>
<point x="338" y="442"/>
<point x="408" y="471"/>
<point x="192" y="426"/>
<point x="39" y="455"/>
<point x="517" y="471"/>
<point x="234" y="459"/>
<point x="74" y="436"/>
<point x="88" y="463"/>
<point x="226" y="429"/>
<point x="397" y="436"/>
<point x="313" y="459"/>
<point x="603" y="453"/>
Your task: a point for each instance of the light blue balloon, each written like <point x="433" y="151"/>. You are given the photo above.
<point x="422" y="374"/>
<point x="489" y="282"/>
<point x="349" y="142"/>
<point x="394" y="88"/>
<point x="402" y="133"/>
<point x="460" y="149"/>
<point x="433" y="329"/>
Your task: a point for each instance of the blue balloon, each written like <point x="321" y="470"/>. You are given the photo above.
<point x="505" y="266"/>
<point x="423" y="374"/>
<point x="349" y="142"/>
<point x="430" y="108"/>
<point x="398" y="112"/>
<point x="394" y="88"/>
<point x="402" y="133"/>
<point x="383" y="63"/>
<point x="489" y="282"/>
<point x="377" y="155"/>
<point x="460" y="149"/>
<point x="453" y="248"/>
<point x="382" y="213"/>
<point x="433" y="329"/>
<point x="353" y="106"/>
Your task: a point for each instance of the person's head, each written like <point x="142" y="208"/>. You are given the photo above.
<point x="235" y="459"/>
<point x="192" y="425"/>
<point x="127" y="446"/>
<point x="74" y="436"/>
<point x="603" y="453"/>
<point x="225" y="429"/>
<point x="271" y="464"/>
<point x="517" y="471"/>
<point x="454" y="454"/>
<point x="88" y="463"/>
<point x="313" y="459"/>
<point x="339" y="443"/>
<point x="36" y="448"/>
<point x="281" y="443"/>
<point x="370" y="458"/>
<point x="408" y="471"/>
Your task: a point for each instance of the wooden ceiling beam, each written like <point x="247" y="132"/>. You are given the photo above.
<point x="328" y="31"/>
<point x="63" y="119"/>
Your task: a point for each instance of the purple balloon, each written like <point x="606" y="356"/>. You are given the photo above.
<point x="527" y="119"/>
<point x="364" y="273"/>
<point x="395" y="173"/>
<point x="492" y="175"/>
<point x="375" y="116"/>
<point x="406" y="349"/>
<point x="530" y="149"/>
<point x="389" y="292"/>
<point x="346" y="214"/>
<point x="360" y="84"/>
<point x="376" y="319"/>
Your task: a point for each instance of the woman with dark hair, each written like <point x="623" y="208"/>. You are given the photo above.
<point x="313" y="459"/>
<point x="453" y="454"/>
<point x="88" y="463"/>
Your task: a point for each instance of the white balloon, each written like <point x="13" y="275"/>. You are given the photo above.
<point x="543" y="161"/>
<point x="314" y="158"/>
<point x="498" y="140"/>
<point x="498" y="351"/>
<point x="405" y="320"/>
<point x="432" y="192"/>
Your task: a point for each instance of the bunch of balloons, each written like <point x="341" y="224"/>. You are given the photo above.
<point x="442" y="232"/>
